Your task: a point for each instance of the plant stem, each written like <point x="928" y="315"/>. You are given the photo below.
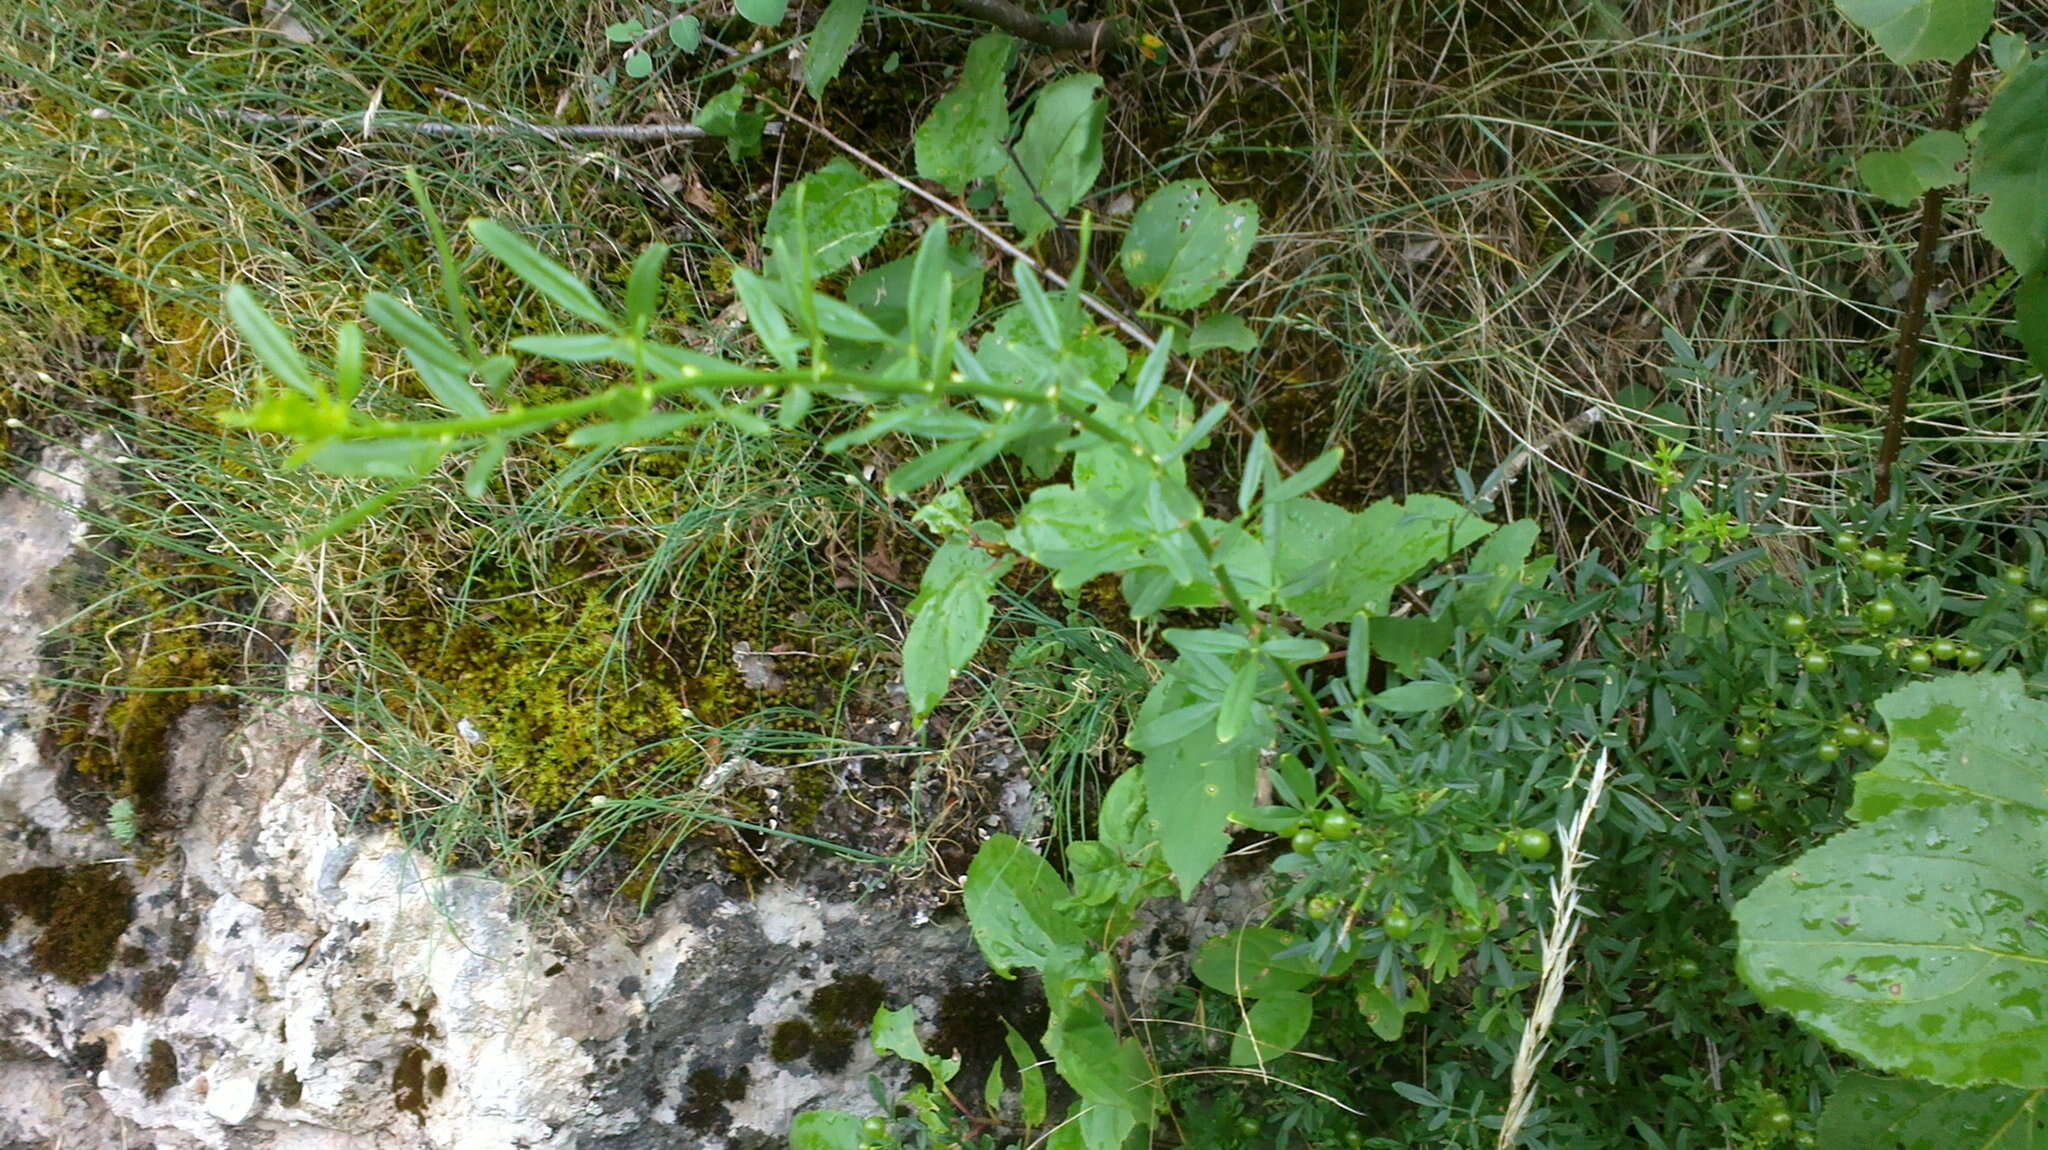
<point x="1907" y="357"/>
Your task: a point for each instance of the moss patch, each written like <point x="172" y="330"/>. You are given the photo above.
<point x="706" y="1093"/>
<point x="83" y="911"/>
<point x="159" y="1069"/>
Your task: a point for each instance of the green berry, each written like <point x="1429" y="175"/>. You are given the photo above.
<point x="1323" y="907"/>
<point x="875" y="1127"/>
<point x="1337" y="825"/>
<point x="1851" y="733"/>
<point x="2037" y="612"/>
<point x="1847" y="541"/>
<point x="1894" y="563"/>
<point x="1969" y="656"/>
<point x="1873" y="560"/>
<point x="1742" y="799"/>
<point x="1828" y="752"/>
<point x="1816" y="662"/>
<point x="1533" y="843"/>
<point x="1685" y="969"/>
<point x="2017" y="576"/>
<point x="1793" y="625"/>
<point x="1304" y="841"/>
<point x="1919" y="660"/>
<point x="1944" y="649"/>
<point x="1397" y="924"/>
<point x="1877" y="746"/>
<point x="1881" y="611"/>
<point x="1748" y="744"/>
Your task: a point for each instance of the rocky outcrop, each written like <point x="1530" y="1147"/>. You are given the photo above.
<point x="258" y="972"/>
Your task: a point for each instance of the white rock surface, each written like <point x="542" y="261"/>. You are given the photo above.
<point x="321" y="989"/>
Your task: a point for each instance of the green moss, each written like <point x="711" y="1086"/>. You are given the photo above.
<point x="159" y="1069"/>
<point x="83" y="911"/>
<point x="790" y="1040"/>
<point x="706" y="1093"/>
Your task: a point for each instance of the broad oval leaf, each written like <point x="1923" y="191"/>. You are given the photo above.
<point x="825" y="1130"/>
<point x="1916" y="941"/>
<point x="1930" y="161"/>
<point x="1910" y="31"/>
<point x="962" y="140"/>
<point x="1013" y="907"/>
<point x="1185" y="244"/>
<point x="831" y="40"/>
<point x="1866" y="1111"/>
<point x="2011" y="168"/>
<point x="1245" y="963"/>
<point x="948" y="620"/>
<point x="766" y="13"/>
<point x="1270" y="1028"/>
<point x="1057" y="156"/>
<point x="835" y="214"/>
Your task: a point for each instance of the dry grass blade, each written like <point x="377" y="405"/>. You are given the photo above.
<point x="1557" y="959"/>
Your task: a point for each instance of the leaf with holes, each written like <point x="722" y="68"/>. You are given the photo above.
<point x="1185" y="244"/>
<point x="1917" y="940"/>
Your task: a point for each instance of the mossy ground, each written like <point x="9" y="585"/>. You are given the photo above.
<point x="82" y="912"/>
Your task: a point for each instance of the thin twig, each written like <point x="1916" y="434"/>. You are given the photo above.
<point x="448" y="129"/>
<point x="1907" y="357"/>
<point x="1557" y="954"/>
<point x="1026" y="25"/>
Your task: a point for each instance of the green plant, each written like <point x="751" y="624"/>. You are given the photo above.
<point x="1914" y="941"/>
<point x="2007" y="155"/>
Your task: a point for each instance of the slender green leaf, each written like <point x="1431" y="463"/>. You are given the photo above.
<point x="643" y="289"/>
<point x="1418" y="697"/>
<point x="1030" y="1077"/>
<point x="442" y="369"/>
<point x="272" y="347"/>
<point x="545" y="275"/>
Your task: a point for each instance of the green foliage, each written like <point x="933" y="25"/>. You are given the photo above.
<point x="1911" y="941"/>
<point x="949" y="620"/>
<point x="962" y="140"/>
<point x="2010" y="167"/>
<point x="1058" y="155"/>
<point x="1185" y="244"/>
<point x="1930" y="161"/>
<point x="1901" y="1114"/>
<point x="1910" y="31"/>
<point x="831" y="42"/>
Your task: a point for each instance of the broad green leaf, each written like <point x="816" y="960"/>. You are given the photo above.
<point x="1958" y="738"/>
<point x="825" y="1130"/>
<point x="831" y="39"/>
<point x="1193" y="783"/>
<point x="883" y="293"/>
<point x="766" y="13"/>
<point x="639" y="64"/>
<point x="1914" y="941"/>
<point x="1102" y="1068"/>
<point x="1419" y="697"/>
<point x="1245" y="963"/>
<point x="844" y="214"/>
<point x="2009" y="51"/>
<point x="1270" y="1028"/>
<point x="1058" y="155"/>
<point x="1076" y="536"/>
<point x="2011" y="168"/>
<point x="895" y="1032"/>
<point x="2030" y="318"/>
<point x="545" y="275"/>
<point x="1386" y="1017"/>
<point x="1013" y="907"/>
<point x="1909" y="31"/>
<point x="1407" y="642"/>
<point x="1901" y="177"/>
<point x="1870" y="1113"/>
<point x="949" y="619"/>
<point x="1030" y="1077"/>
<point x="1329" y="567"/>
<point x="1225" y="330"/>
<point x="730" y="117"/>
<point x="962" y="140"/>
<point x="685" y="32"/>
<point x="624" y="32"/>
<point x="1092" y="1126"/>
<point x="1184" y="244"/>
<point x="273" y="348"/>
